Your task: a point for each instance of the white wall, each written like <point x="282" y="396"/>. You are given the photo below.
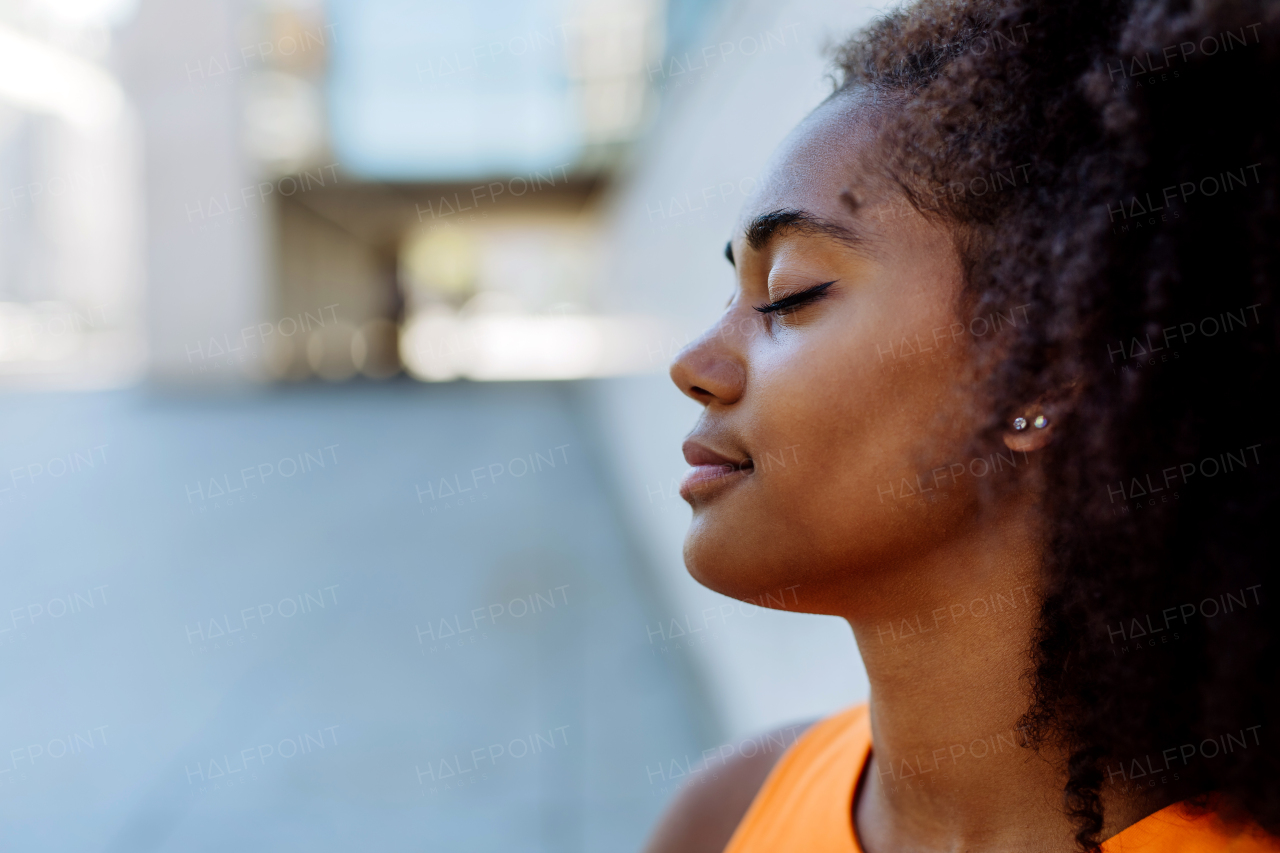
<point x="667" y="227"/>
<point x="208" y="241"/>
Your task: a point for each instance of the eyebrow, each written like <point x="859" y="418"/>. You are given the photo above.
<point x="766" y="226"/>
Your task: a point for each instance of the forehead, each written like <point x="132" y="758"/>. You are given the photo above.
<point x="825" y="166"/>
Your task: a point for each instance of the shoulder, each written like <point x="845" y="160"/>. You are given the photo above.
<point x="713" y="801"/>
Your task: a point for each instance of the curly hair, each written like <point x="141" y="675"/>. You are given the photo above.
<point x="1128" y="197"/>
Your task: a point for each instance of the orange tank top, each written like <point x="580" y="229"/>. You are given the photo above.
<point x="806" y="804"/>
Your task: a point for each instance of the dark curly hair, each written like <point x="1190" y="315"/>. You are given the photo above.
<point x="1113" y="167"/>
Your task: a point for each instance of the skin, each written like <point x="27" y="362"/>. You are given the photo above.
<point x="815" y="418"/>
<point x="712" y="803"/>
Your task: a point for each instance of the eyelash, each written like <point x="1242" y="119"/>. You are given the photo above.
<point x="796" y="299"/>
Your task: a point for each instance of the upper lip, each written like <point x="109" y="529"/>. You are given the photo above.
<point x="696" y="454"/>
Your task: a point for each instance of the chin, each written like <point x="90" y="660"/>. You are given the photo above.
<point x="727" y="560"/>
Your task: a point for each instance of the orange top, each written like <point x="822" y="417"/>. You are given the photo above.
<point x="806" y="804"/>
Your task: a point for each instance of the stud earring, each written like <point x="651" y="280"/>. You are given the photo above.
<point x="1019" y="423"/>
<point x="1040" y="422"/>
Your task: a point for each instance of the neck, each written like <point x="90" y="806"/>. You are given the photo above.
<point x="946" y="642"/>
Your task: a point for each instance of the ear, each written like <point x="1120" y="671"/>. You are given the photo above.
<point x="1030" y="437"/>
<point x="1045" y="410"/>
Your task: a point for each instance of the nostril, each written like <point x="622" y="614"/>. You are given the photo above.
<point x="696" y="390"/>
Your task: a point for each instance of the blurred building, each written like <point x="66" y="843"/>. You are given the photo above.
<point x="71" y="207"/>
<point x="320" y="205"/>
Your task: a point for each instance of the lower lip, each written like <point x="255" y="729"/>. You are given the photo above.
<point x="706" y="481"/>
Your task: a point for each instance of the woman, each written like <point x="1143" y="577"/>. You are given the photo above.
<point x="1008" y="298"/>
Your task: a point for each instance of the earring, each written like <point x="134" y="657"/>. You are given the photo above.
<point x="1019" y="423"/>
<point x="1040" y="422"/>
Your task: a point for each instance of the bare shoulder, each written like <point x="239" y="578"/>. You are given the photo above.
<point x="709" y="807"/>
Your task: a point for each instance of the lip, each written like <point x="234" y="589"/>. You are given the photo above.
<point x="712" y="473"/>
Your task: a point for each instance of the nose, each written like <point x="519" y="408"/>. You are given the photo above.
<point x="708" y="371"/>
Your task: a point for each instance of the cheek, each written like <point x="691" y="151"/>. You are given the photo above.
<point x="863" y="401"/>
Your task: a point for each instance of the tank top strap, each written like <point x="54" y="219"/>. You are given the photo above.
<point x="806" y="803"/>
<point x="1181" y="829"/>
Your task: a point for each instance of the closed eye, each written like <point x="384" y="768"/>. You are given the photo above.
<point x="809" y="294"/>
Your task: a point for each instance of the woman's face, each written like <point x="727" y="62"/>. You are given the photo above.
<point x="819" y="416"/>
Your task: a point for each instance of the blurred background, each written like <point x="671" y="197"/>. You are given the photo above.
<point x="338" y="458"/>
